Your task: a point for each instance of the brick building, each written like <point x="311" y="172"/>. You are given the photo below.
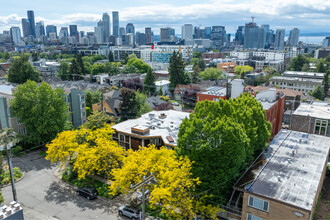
<point x="228" y="67"/>
<point x="212" y="94"/>
<point x="157" y="127"/>
<point x="285" y="181"/>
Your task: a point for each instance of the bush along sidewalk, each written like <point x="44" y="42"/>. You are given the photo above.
<point x="71" y="176"/>
<point x="5" y="177"/>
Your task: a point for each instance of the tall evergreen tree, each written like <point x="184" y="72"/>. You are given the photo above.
<point x="80" y="63"/>
<point x="110" y="57"/>
<point x="149" y="85"/>
<point x="176" y="70"/>
<point x="74" y="69"/>
<point x="129" y="106"/>
<point x="298" y="62"/>
<point x="326" y="82"/>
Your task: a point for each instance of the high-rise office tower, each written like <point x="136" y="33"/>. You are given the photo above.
<point x="64" y="32"/>
<point x="267" y="34"/>
<point x="122" y="31"/>
<point x="98" y="31"/>
<point x="40" y="29"/>
<point x="166" y="33"/>
<point x="187" y="32"/>
<point x="198" y="33"/>
<point x="115" y="23"/>
<point x="239" y="36"/>
<point x="254" y="36"/>
<point x="51" y="29"/>
<point x="130" y="29"/>
<point x="26" y="27"/>
<point x="218" y="36"/>
<point x="74" y="32"/>
<point x="15" y="35"/>
<point x="207" y="32"/>
<point x="30" y="15"/>
<point x="294" y="37"/>
<point x="106" y="27"/>
<point x="147" y="32"/>
<point x="279" y="39"/>
<point x="140" y="38"/>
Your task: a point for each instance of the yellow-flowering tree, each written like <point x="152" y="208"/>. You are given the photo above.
<point x="174" y="188"/>
<point x="89" y="151"/>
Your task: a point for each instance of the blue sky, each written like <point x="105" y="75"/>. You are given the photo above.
<point x="308" y="15"/>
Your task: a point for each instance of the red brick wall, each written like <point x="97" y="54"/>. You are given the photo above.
<point x="201" y="97"/>
<point x="275" y="116"/>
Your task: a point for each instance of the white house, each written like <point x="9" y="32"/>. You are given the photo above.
<point x="165" y="85"/>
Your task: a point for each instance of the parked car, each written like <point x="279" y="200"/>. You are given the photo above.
<point x="88" y="192"/>
<point x="129" y="212"/>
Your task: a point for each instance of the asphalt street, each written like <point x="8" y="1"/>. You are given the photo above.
<point x="45" y="196"/>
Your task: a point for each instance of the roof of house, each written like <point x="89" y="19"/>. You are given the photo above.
<point x="296" y="79"/>
<point x="287" y="92"/>
<point x="6" y="90"/>
<point x="215" y="91"/>
<point x="315" y="110"/>
<point x="289" y="169"/>
<point x="154" y="101"/>
<point x="159" y="127"/>
<point x="162" y="82"/>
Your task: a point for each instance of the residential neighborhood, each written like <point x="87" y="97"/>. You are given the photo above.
<point x="119" y="123"/>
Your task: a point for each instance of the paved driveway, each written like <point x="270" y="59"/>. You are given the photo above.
<point x="43" y="196"/>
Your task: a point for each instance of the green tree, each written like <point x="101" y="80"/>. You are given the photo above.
<point x="326" y="82"/>
<point x="98" y="68"/>
<point x="6" y="55"/>
<point x="241" y="71"/>
<point x="125" y="60"/>
<point x="142" y="106"/>
<point x="320" y="67"/>
<point x="176" y="70"/>
<point x="74" y="69"/>
<point x="130" y="69"/>
<point x="298" y="62"/>
<point x="211" y="74"/>
<point x="223" y="138"/>
<point x="129" y="107"/>
<point x="96" y="120"/>
<point x="80" y="63"/>
<point x="42" y="110"/>
<point x="64" y="71"/>
<point x="93" y="97"/>
<point x="194" y="74"/>
<point x="149" y="85"/>
<point x="35" y="56"/>
<point x="318" y="93"/>
<point x="110" y="56"/>
<point x="112" y="68"/>
<point x="141" y="66"/>
<point x="197" y="55"/>
<point x="21" y="70"/>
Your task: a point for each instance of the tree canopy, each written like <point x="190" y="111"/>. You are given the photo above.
<point x="96" y="120"/>
<point x="318" y="93"/>
<point x="298" y="63"/>
<point x="211" y="74"/>
<point x="174" y="189"/>
<point x="98" y="68"/>
<point x="176" y="70"/>
<point x="241" y="71"/>
<point x="222" y="138"/>
<point x="21" y="71"/>
<point x="141" y="66"/>
<point x="149" y="85"/>
<point x="89" y="151"/>
<point x="129" y="107"/>
<point x="64" y="71"/>
<point x="42" y="109"/>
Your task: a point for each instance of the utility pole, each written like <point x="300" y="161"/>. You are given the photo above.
<point x="7" y="148"/>
<point x="146" y="180"/>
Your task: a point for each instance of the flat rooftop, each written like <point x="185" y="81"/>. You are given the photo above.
<point x="159" y="127"/>
<point x="304" y="74"/>
<point x="295" y="79"/>
<point x="289" y="170"/>
<point x="6" y="90"/>
<point x="315" y="110"/>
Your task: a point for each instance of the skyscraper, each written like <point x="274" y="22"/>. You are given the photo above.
<point x="218" y="36"/>
<point x="98" y="31"/>
<point x="148" y="35"/>
<point x="106" y="27"/>
<point x="294" y="37"/>
<point x="40" y="29"/>
<point x="74" y="31"/>
<point x="30" y="15"/>
<point x="279" y="39"/>
<point x="51" y="29"/>
<point x="26" y="27"/>
<point x="15" y="35"/>
<point x="115" y="23"/>
<point x="166" y="33"/>
<point x="187" y="32"/>
<point x="239" y="36"/>
<point x="254" y="36"/>
<point x="130" y="29"/>
<point x="140" y="38"/>
<point x="122" y="31"/>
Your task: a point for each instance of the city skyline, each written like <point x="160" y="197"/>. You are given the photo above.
<point x="309" y="17"/>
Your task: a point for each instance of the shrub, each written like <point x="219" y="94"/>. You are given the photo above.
<point x="328" y="171"/>
<point x="16" y="150"/>
<point x="165" y="98"/>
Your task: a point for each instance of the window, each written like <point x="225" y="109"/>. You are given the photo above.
<point x="320" y="127"/>
<point x="258" y="204"/>
<point x="122" y="137"/>
<point x="253" y="217"/>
